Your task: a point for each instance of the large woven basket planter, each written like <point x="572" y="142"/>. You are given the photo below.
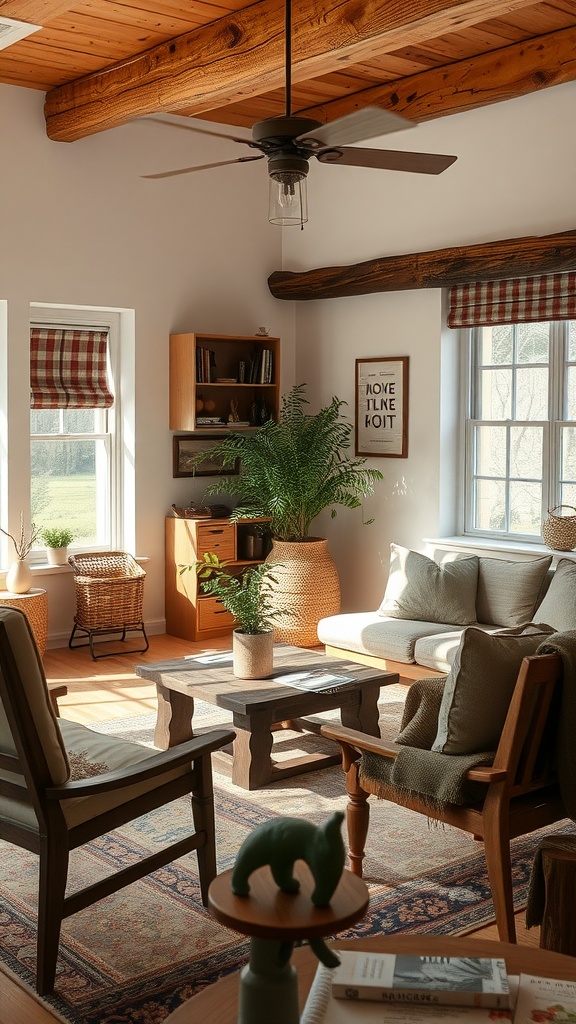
<point x="308" y="587"/>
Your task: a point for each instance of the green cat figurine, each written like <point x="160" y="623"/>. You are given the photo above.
<point x="282" y="841"/>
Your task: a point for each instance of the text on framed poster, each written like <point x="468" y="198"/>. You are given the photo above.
<point x="382" y="407"/>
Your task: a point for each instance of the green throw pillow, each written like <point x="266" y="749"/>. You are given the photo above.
<point x="508" y="590"/>
<point x="558" y="608"/>
<point x="480" y="685"/>
<point x="419" y="588"/>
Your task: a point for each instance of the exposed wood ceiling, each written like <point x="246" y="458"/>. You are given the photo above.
<point x="103" y="63"/>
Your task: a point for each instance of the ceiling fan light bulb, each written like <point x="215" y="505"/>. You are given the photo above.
<point x="288" y="202"/>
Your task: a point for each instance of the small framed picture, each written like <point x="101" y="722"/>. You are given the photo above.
<point x="382" y="407"/>
<point x="185" y="448"/>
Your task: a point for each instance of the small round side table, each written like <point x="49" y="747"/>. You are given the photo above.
<point x="34" y="604"/>
<point x="275" y="920"/>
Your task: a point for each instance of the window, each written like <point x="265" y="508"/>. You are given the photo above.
<point x="521" y="427"/>
<point x="73" y="429"/>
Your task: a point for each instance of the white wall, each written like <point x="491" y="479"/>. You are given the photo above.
<point x="189" y="253"/>
<point x="193" y="253"/>
<point x="514" y="176"/>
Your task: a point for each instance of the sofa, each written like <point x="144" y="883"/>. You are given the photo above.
<point x="429" y="602"/>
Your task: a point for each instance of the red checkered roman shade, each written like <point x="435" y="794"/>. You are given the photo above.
<point x="513" y="301"/>
<point x="68" y="369"/>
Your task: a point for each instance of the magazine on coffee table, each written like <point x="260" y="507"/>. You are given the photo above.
<point x="316" y="680"/>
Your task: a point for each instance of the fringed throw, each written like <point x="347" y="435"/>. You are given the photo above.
<point x="436" y="780"/>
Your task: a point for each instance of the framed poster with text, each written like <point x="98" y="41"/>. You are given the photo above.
<point x="382" y="407"/>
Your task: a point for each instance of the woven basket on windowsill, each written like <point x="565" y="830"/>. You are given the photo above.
<point x="558" y="531"/>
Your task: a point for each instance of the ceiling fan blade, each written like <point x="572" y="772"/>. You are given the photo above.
<point x="388" y="160"/>
<point x="203" y="167"/>
<point x="193" y="128"/>
<point x="361" y="124"/>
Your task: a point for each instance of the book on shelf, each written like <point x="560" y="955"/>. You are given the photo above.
<point x="442" y="980"/>
<point x="322" y="1007"/>
<point x="545" y="999"/>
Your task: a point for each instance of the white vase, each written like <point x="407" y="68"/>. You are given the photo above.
<point x="19" y="577"/>
<point x="57" y="556"/>
<point x="253" y="654"/>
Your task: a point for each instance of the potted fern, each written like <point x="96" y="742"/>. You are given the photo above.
<point x="290" y="472"/>
<point x="249" y="596"/>
<point x="57" y="539"/>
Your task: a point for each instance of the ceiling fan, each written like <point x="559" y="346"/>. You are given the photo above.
<point x="289" y="142"/>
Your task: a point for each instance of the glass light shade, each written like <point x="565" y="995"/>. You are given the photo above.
<point x="288" y="202"/>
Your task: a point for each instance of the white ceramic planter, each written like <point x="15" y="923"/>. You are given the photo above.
<point x="57" y="556"/>
<point x="253" y="654"/>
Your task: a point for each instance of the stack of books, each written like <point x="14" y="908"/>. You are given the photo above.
<point x="399" y="989"/>
<point x="383" y="988"/>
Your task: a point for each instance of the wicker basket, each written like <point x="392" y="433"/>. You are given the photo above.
<point x="109" y="595"/>
<point x="308" y="589"/>
<point x="558" y="531"/>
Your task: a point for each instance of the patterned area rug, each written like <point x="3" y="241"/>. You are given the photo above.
<point x="135" y="956"/>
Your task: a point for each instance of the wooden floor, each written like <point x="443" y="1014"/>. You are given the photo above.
<point x="105" y="689"/>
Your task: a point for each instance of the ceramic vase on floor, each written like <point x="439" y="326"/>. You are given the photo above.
<point x="19" y="577"/>
<point x="253" y="654"/>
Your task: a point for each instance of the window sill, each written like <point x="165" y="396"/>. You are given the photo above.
<point x="498" y="548"/>
<point x="43" y="569"/>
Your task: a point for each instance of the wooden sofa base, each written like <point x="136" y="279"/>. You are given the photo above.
<point x="407" y="672"/>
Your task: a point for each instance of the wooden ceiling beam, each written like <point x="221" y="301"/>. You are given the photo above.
<point x="241" y="55"/>
<point x="503" y="74"/>
<point x="439" y="268"/>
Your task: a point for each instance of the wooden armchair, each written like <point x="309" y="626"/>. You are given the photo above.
<point x="62" y="785"/>
<point x="521" y="788"/>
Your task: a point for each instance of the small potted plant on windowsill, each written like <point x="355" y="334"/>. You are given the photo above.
<point x="247" y="595"/>
<point x="57" y="540"/>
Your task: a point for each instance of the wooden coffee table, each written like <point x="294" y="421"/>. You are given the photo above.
<point x="261" y="706"/>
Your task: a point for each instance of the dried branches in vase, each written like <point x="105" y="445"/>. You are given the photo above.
<point x="19" y="575"/>
<point x="25" y="542"/>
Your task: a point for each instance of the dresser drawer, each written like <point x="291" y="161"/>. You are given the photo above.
<point x="217" y="538"/>
<point x="211" y="614"/>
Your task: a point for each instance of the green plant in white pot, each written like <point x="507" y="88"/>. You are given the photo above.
<point x="56" y="540"/>
<point x="291" y="471"/>
<point x="249" y="596"/>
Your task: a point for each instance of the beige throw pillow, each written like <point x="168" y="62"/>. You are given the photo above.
<point x="559" y="605"/>
<point x="480" y="685"/>
<point x="419" y="588"/>
<point x="508" y="590"/>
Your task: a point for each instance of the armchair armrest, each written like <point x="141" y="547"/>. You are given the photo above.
<point x="361" y="741"/>
<point x="157" y="764"/>
<point x="485" y="773"/>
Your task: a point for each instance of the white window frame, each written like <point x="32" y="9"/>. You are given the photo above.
<point x="99" y="319"/>
<point x="551" y="444"/>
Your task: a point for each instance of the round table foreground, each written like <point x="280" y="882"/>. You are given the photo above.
<point x="218" y="1003"/>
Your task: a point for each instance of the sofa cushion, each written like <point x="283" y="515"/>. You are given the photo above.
<point x="372" y="633"/>
<point x="438" y="650"/>
<point x="479" y="687"/>
<point x="558" y="608"/>
<point x="508" y="591"/>
<point x="420" y="588"/>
